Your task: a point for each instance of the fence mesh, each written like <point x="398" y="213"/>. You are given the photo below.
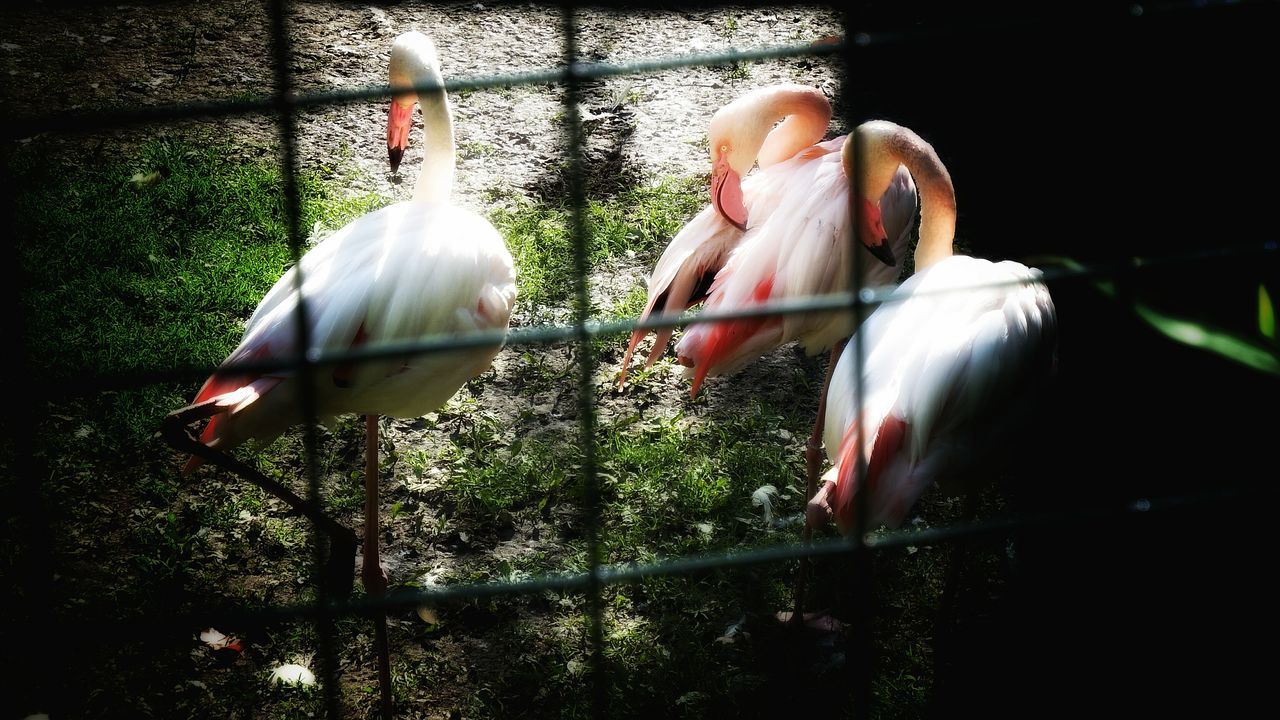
<point x="878" y="39"/>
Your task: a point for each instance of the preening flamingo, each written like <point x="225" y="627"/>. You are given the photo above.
<point x="792" y="160"/>
<point x="953" y="359"/>
<point x="800" y="250"/>
<point x="413" y="269"/>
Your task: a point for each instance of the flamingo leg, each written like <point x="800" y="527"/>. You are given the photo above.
<point x="813" y="465"/>
<point x="176" y="430"/>
<point x="371" y="574"/>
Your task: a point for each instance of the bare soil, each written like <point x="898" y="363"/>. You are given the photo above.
<point x="510" y="144"/>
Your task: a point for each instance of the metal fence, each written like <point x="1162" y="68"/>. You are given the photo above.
<point x="285" y="104"/>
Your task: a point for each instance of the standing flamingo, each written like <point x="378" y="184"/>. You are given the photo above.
<point x="792" y="161"/>
<point x="953" y="360"/>
<point x="801" y="250"/>
<point x="407" y="271"/>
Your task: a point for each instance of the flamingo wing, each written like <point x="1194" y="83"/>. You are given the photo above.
<point x="800" y="250"/>
<point x="394" y="275"/>
<point x="951" y="363"/>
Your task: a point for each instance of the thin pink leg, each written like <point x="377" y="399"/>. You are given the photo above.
<point x="813" y="464"/>
<point x="375" y="581"/>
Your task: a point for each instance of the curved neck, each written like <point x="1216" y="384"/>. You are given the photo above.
<point x="435" y="179"/>
<point x="414" y="63"/>
<point x="745" y="127"/>
<point x="887" y="145"/>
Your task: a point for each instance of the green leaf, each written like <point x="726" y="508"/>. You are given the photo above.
<point x="1206" y="337"/>
<point x="1266" y="314"/>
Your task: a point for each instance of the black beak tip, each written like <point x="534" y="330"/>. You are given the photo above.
<point x="395" y="154"/>
<point x="883" y="252"/>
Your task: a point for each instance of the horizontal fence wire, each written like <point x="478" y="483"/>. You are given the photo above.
<point x="627" y="573"/>
<point x="1065" y="21"/>
<point x="1263" y="252"/>
<point x="285" y="104"/>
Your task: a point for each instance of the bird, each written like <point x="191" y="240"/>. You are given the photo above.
<point x="414" y="269"/>
<point x="791" y="157"/>
<point x="955" y="359"/>
<point x="799" y="250"/>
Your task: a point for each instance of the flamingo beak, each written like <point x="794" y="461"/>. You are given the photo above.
<point x="872" y="234"/>
<point x="726" y="194"/>
<point x="399" y="120"/>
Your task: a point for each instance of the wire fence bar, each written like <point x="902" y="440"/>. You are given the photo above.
<point x="287" y="118"/>
<point x="284" y="104"/>
<point x="863" y="644"/>
<point x="626" y="573"/>
<point x="586" y="360"/>
<point x="1054" y="23"/>
<point x="581" y="70"/>
<point x="1266" y="253"/>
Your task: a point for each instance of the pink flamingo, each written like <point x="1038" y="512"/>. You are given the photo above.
<point x="407" y="271"/>
<point x="792" y="160"/>
<point x="953" y="360"/>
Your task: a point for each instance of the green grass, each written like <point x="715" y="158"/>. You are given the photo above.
<point x="640" y="220"/>
<point x="154" y="263"/>
<point x="131" y="275"/>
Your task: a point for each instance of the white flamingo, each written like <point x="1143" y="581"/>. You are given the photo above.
<point x="795" y="167"/>
<point x="411" y="270"/>
<point x="953" y="360"/>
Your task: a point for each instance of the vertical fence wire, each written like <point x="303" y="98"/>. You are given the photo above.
<point x="586" y="355"/>
<point x="863" y="643"/>
<point x="36" y="561"/>
<point x="305" y="369"/>
<point x="30" y="652"/>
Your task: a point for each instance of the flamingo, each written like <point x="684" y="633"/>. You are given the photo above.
<point x="953" y="360"/>
<point x="414" y="269"/>
<point x="791" y="159"/>
<point x="797" y="250"/>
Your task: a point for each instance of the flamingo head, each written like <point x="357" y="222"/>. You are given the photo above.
<point x="872" y="233"/>
<point x="399" y="120"/>
<point x="413" y="63"/>
<point x="733" y="144"/>
<point x="870" y="223"/>
<point x="726" y="191"/>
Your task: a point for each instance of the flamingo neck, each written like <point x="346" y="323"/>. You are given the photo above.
<point x="414" y="64"/>
<point x="435" y="179"/>
<point x="887" y="145"/>
<point x="744" y="130"/>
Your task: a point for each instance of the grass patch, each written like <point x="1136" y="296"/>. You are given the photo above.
<point x="640" y="220"/>
<point x="128" y="274"/>
<point x="153" y="263"/>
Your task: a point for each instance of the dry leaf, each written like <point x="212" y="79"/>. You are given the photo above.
<point x="293" y="674"/>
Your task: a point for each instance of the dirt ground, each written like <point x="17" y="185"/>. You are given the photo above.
<point x="161" y="54"/>
<point x="509" y="142"/>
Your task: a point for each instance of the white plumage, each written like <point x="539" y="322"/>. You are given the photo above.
<point x="405" y="272"/>
<point x="798" y="176"/>
<point x="801" y="249"/>
<point x="953" y="360"/>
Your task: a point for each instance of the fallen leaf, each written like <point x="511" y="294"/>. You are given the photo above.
<point x="146" y="179"/>
<point x="217" y="641"/>
<point x="763" y="496"/>
<point x="293" y="674"/>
